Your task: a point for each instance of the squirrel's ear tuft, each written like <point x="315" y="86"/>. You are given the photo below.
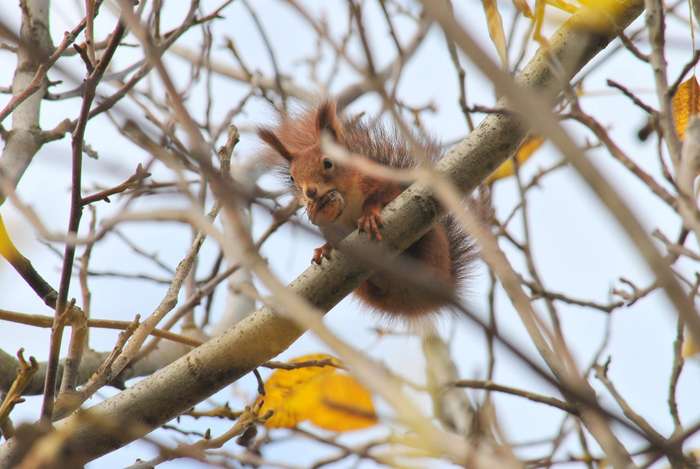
<point x="269" y="137"/>
<point x="327" y="120"/>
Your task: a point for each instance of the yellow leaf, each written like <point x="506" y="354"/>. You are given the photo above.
<point x="495" y="25"/>
<point x="282" y="391"/>
<point x="343" y="404"/>
<point x="7" y="249"/>
<point x="690" y="347"/>
<point x="526" y="150"/>
<point x="685" y="103"/>
<point x="329" y="399"/>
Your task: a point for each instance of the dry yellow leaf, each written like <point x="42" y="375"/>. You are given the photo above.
<point x="328" y="398"/>
<point x="495" y="25"/>
<point x="342" y="404"/>
<point x="526" y="150"/>
<point x="690" y="347"/>
<point x="283" y="387"/>
<point x="276" y="400"/>
<point x="685" y="103"/>
<point x="7" y="249"/>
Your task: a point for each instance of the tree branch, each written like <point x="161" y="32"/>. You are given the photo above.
<point x="34" y="46"/>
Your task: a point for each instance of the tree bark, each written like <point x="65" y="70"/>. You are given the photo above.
<point x="24" y="139"/>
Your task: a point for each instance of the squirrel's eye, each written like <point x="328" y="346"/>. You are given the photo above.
<point x="291" y="179"/>
<point x="327" y="164"/>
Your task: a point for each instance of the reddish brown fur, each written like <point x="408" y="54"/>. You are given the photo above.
<point x="444" y="252"/>
<point x="396" y="297"/>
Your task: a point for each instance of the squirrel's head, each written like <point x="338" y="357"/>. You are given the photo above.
<point x="321" y="184"/>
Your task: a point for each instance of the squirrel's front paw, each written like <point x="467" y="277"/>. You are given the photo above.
<point x="320" y="253"/>
<point x="370" y="222"/>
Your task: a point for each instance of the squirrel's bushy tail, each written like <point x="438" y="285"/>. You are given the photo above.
<point x="424" y="279"/>
<point x="463" y="251"/>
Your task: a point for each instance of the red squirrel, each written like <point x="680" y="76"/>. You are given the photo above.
<point x="338" y="196"/>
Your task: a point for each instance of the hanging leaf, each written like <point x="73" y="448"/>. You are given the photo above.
<point x="283" y="389"/>
<point x="690" y="347"/>
<point x="685" y="103"/>
<point x="327" y="397"/>
<point x="495" y="25"/>
<point x="7" y="248"/>
<point x="343" y="404"/>
<point x="507" y="168"/>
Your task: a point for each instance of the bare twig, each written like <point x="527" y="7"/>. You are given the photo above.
<point x="90" y="87"/>
<point x="491" y="386"/>
<point x="38" y="320"/>
<point x="14" y="394"/>
<point x="132" y="182"/>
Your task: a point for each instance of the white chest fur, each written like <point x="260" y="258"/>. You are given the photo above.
<point x="353" y="209"/>
<point x="347" y="221"/>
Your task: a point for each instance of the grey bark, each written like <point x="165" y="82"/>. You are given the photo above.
<point x="24" y="140"/>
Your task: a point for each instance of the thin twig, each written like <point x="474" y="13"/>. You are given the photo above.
<point x="132" y="182"/>
<point x="39" y="320"/>
<point x="491" y="386"/>
<point x="91" y="83"/>
<point x="14" y="394"/>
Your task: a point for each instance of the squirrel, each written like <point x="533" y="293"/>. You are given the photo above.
<point x="338" y="196"/>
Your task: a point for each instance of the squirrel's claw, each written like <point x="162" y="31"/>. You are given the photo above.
<point x="321" y="253"/>
<point x="370" y="223"/>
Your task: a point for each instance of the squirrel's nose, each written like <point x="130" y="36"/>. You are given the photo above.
<point x="311" y="192"/>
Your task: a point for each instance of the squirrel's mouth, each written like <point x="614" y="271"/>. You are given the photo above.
<point x="327" y="198"/>
<point x="326" y="208"/>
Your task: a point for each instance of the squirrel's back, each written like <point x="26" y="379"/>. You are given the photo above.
<point x="377" y="142"/>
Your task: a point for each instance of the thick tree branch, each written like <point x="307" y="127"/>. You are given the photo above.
<point x="24" y="139"/>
